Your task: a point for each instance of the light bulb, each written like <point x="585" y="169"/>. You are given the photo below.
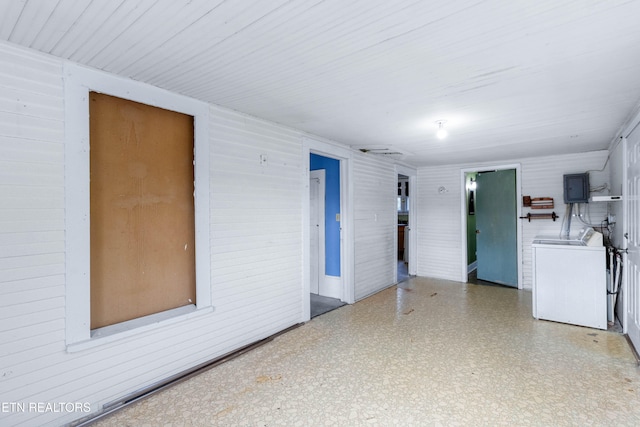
<point x="442" y="132"/>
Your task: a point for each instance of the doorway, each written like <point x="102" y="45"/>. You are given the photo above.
<point x="403" y="205"/>
<point x="492" y="236"/>
<point x="346" y="279"/>
<point x="406" y="224"/>
<point x="325" y="284"/>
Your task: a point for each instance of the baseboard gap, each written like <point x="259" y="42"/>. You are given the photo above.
<point x="149" y="391"/>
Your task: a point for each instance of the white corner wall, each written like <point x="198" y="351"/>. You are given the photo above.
<point x="439" y="216"/>
<point x="255" y="238"/>
<point x="376" y="219"/>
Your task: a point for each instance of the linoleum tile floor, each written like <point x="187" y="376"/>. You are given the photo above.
<point x="424" y="353"/>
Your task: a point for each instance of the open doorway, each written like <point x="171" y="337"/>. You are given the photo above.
<point x="325" y="234"/>
<point x="406" y="242"/>
<point x="346" y="278"/>
<point x="402" y="205"/>
<point x="492" y="236"/>
<point x="470" y="229"/>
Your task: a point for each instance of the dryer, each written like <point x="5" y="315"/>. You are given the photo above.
<point x="570" y="281"/>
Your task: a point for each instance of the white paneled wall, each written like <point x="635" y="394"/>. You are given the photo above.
<point x="32" y="284"/>
<point x="439" y="215"/>
<point x="376" y="219"/>
<point x="618" y="188"/>
<point x="255" y="222"/>
<point x="439" y="229"/>
<point x="541" y="177"/>
<point x="255" y="237"/>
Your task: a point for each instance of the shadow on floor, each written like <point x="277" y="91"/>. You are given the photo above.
<point x="321" y="305"/>
<point x="473" y="279"/>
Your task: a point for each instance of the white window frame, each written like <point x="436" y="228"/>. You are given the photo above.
<point x="78" y="82"/>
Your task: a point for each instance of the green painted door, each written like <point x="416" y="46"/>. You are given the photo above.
<point x="496" y="219"/>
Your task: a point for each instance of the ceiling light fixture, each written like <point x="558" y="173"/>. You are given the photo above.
<point x="442" y="132"/>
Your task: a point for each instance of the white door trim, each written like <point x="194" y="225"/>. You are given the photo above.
<point x="625" y="242"/>
<point x="347" y="279"/>
<point x="631" y="289"/>
<point x="463" y="216"/>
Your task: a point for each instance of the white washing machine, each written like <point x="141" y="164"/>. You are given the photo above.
<point x="570" y="281"/>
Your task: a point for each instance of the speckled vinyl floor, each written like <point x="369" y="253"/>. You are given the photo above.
<point x="426" y="353"/>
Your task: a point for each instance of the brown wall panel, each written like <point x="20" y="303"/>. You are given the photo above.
<point x="142" y="210"/>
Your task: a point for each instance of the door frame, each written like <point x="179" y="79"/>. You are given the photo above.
<point x="413" y="222"/>
<point x="625" y="242"/>
<point x="463" y="217"/>
<point x="629" y="224"/>
<point x="347" y="279"/>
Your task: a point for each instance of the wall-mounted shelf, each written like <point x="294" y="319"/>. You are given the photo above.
<point x="537" y="202"/>
<point x="606" y="199"/>
<point x="531" y="216"/>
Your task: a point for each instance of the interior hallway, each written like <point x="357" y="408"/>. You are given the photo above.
<point x="427" y="352"/>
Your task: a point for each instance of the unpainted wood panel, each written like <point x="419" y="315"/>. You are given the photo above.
<point x="142" y="210"/>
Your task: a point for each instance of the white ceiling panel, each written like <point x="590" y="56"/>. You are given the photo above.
<point x="511" y="78"/>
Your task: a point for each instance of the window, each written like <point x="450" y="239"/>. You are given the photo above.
<point x="85" y="325"/>
<point x="141" y="210"/>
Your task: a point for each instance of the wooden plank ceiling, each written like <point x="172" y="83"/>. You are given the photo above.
<point x="512" y="78"/>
